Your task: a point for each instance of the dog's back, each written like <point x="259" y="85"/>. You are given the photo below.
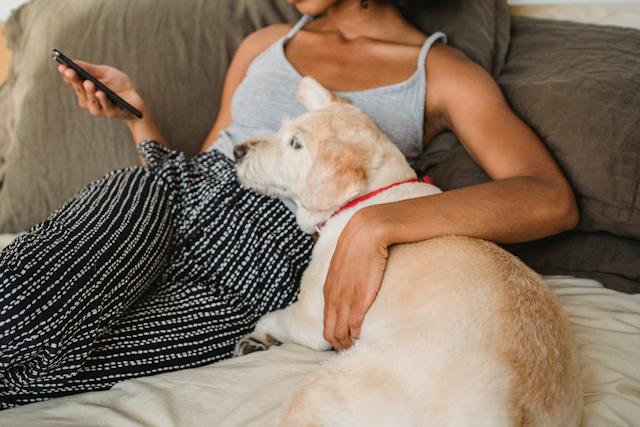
<point x="461" y="333"/>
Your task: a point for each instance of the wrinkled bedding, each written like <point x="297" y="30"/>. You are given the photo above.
<point x="249" y="391"/>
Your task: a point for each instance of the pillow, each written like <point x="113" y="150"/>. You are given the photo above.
<point x="176" y="53"/>
<point x="577" y="85"/>
<point x="480" y="28"/>
<point x="611" y="260"/>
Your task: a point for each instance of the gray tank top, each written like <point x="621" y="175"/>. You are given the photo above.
<point x="268" y="95"/>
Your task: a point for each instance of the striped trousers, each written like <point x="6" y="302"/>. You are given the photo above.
<point x="148" y="270"/>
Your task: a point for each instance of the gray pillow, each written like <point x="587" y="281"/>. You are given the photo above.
<point x="176" y="53"/>
<point x="578" y="86"/>
<point x="612" y="260"/>
<point x="480" y="28"/>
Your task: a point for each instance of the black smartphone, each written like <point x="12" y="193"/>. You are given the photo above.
<point x="84" y="75"/>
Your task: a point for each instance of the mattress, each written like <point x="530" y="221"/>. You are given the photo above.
<point x="249" y="391"/>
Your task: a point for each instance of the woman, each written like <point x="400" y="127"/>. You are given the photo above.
<point x="166" y="266"/>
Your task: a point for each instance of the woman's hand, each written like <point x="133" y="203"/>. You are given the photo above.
<point x="354" y="278"/>
<point x="96" y="101"/>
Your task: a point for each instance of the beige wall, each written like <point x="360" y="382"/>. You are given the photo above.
<point x="622" y="14"/>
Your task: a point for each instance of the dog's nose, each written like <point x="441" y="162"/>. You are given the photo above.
<point x="239" y="151"/>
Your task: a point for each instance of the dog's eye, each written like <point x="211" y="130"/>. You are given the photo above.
<point x="294" y="142"/>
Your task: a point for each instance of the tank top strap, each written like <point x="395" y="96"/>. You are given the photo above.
<point x="438" y="35"/>
<point x="299" y="25"/>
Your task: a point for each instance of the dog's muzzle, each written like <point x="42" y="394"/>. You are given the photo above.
<point x="239" y="151"/>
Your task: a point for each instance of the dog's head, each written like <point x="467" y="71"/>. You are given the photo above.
<point x="323" y="158"/>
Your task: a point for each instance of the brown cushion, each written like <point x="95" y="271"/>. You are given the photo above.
<point x="612" y="260"/>
<point x="480" y="28"/>
<point x="176" y="53"/>
<point x="578" y="86"/>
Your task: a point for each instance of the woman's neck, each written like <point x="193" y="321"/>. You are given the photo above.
<point x="350" y="20"/>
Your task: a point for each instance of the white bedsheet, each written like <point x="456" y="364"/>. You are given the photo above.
<point x="6" y="239"/>
<point x="249" y="391"/>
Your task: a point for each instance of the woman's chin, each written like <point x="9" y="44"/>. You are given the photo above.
<point x="312" y="7"/>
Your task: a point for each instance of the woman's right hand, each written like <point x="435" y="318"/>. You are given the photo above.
<point x="96" y="101"/>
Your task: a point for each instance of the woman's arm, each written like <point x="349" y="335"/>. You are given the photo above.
<point x="98" y="105"/>
<point x="529" y="197"/>
<point x="145" y="128"/>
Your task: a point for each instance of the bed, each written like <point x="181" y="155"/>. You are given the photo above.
<point x="576" y="85"/>
<point x="250" y="390"/>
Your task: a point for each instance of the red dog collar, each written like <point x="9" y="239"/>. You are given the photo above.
<point x="367" y="196"/>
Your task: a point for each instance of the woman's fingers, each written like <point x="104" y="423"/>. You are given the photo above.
<point x="106" y="105"/>
<point x="330" y="315"/>
<point x="72" y="79"/>
<point x="341" y="331"/>
<point x="110" y="109"/>
<point x="88" y="96"/>
<point x="92" y="102"/>
<point x="356" y="317"/>
<point x="337" y="309"/>
<point x="97" y="71"/>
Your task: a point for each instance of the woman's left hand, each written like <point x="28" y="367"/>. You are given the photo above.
<point x="354" y="278"/>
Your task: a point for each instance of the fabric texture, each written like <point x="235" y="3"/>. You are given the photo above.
<point x="147" y="270"/>
<point x="610" y="259"/>
<point x="249" y="391"/>
<point x="176" y="54"/>
<point x="577" y="86"/>
<point x="583" y="102"/>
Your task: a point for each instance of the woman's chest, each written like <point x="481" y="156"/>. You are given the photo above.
<point x="268" y="95"/>
<point x="348" y="66"/>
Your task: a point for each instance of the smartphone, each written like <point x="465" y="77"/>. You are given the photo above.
<point x="84" y="75"/>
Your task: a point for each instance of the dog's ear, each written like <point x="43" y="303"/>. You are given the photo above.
<point x="314" y="96"/>
<point x="336" y="176"/>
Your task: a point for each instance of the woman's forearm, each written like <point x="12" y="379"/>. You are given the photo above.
<point x="507" y="211"/>
<point x="145" y="128"/>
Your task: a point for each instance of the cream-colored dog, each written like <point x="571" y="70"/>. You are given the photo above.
<point x="461" y="332"/>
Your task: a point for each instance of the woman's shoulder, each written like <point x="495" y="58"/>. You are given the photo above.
<point x="448" y="66"/>
<point x="455" y="82"/>
<point x="261" y="39"/>
<point x="257" y="42"/>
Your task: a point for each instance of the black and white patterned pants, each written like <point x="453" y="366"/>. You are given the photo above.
<point x="148" y="270"/>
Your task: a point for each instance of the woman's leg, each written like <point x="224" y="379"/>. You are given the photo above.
<point x="235" y="256"/>
<point x="64" y="284"/>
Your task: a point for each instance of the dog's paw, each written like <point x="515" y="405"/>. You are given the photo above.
<point x="252" y="343"/>
<point x="248" y="345"/>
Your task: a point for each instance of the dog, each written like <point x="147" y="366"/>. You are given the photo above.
<point x="461" y="333"/>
